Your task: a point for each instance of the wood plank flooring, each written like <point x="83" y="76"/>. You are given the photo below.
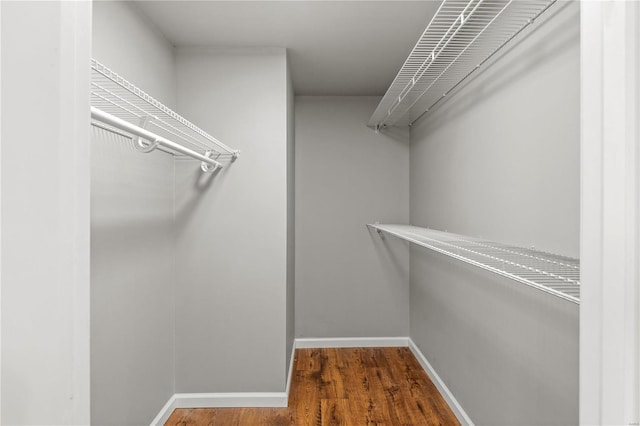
<point x="345" y="386"/>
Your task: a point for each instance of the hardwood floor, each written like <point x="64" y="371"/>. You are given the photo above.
<point x="346" y="386"/>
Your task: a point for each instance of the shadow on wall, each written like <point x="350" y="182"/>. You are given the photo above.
<point x="482" y="331"/>
<point x="396" y="134"/>
<point x="200" y="183"/>
<point x="510" y="66"/>
<point x="137" y="174"/>
<point x="385" y="250"/>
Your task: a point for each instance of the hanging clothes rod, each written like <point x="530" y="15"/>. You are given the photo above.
<point x="154" y="140"/>
<point x="115" y="95"/>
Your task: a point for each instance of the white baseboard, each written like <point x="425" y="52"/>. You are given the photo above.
<point x="227" y="399"/>
<point x="290" y="372"/>
<point x="457" y="409"/>
<point x="165" y="413"/>
<point x="352" y="342"/>
<point x="281" y="399"/>
<point x="231" y="399"/>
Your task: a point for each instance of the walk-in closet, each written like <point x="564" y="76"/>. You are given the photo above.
<point x="320" y="212"/>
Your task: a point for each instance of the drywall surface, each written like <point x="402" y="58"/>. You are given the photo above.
<point x="349" y="281"/>
<point x="128" y="43"/>
<point x="232" y="226"/>
<point x="501" y="160"/>
<point x="132" y="281"/>
<point x="291" y="228"/>
<point x="45" y="213"/>
<point x="507" y="352"/>
<point x="132" y="244"/>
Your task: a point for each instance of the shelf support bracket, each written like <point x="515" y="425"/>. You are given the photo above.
<point x="206" y="167"/>
<point x="141" y="144"/>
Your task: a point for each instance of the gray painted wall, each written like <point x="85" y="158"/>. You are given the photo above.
<point x="132" y="241"/>
<point x="127" y="42"/>
<point x="232" y="227"/>
<point x="349" y="283"/>
<point x="45" y="213"/>
<point x="501" y="160"/>
<point x="231" y="237"/>
<point x="132" y="281"/>
<point x="507" y="352"/>
<point x="291" y="226"/>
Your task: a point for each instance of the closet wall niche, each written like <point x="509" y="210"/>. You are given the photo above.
<point x="495" y="205"/>
<point x="193" y="249"/>
<point x="189" y="253"/>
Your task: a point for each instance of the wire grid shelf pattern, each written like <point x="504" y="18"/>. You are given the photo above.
<point x="551" y="273"/>
<point x="115" y="95"/>
<point x="462" y="35"/>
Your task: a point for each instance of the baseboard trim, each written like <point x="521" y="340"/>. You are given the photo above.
<point x="165" y="412"/>
<point x="281" y="399"/>
<point x="231" y="399"/>
<point x="290" y="372"/>
<point x="228" y="399"/>
<point x="352" y="342"/>
<point x="455" y="406"/>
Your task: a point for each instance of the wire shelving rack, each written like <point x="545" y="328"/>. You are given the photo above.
<point x="461" y="37"/>
<point x="551" y="273"/>
<point x="119" y="106"/>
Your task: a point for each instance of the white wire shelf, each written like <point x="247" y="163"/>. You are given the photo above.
<point x="120" y="106"/>
<point x="461" y="37"/>
<point x="551" y="273"/>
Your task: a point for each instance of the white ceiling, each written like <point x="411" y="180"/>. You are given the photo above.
<point x="335" y="47"/>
